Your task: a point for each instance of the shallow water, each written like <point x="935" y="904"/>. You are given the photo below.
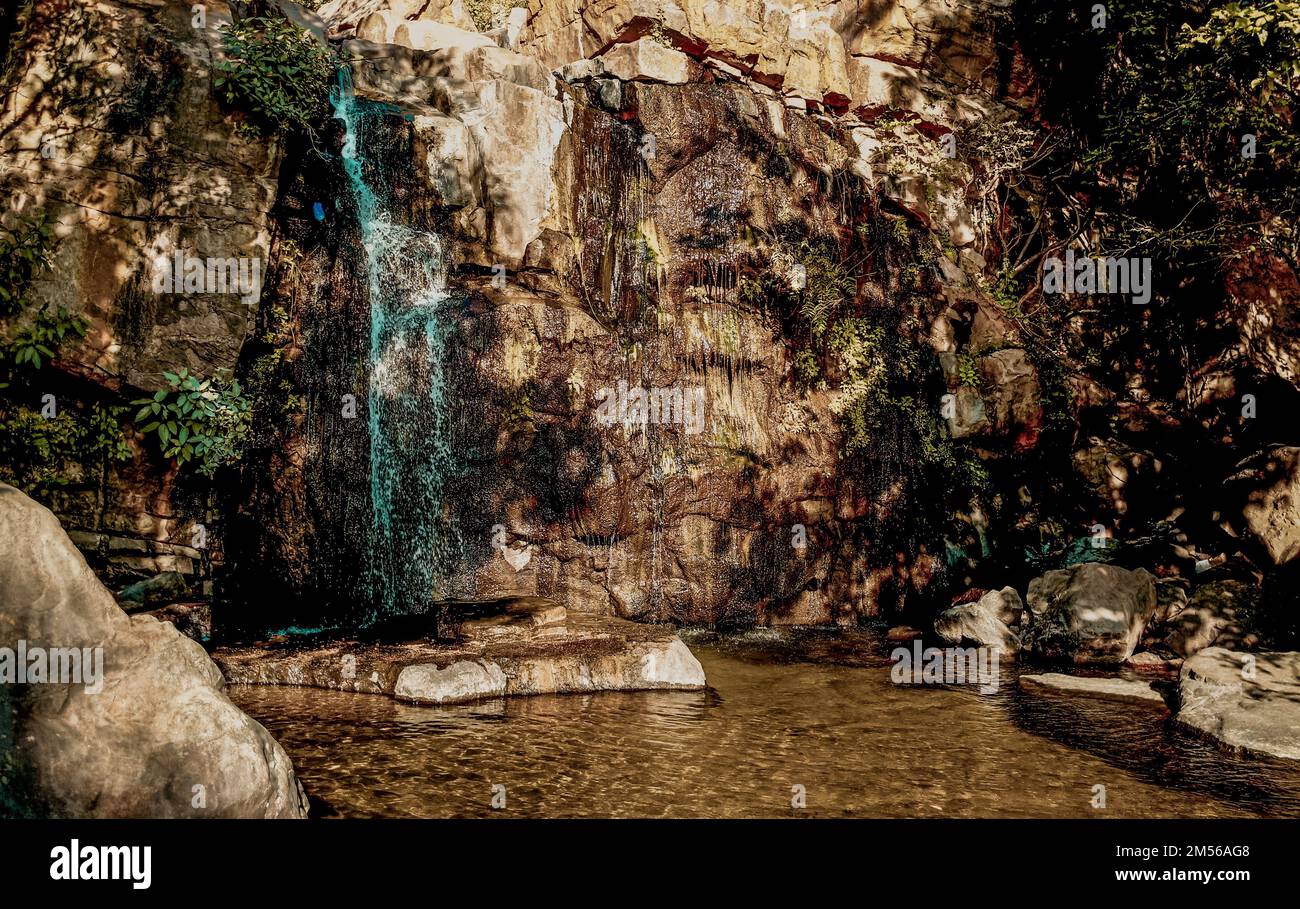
<point x="811" y="710"/>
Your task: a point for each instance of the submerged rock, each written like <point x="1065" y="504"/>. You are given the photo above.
<point x="1248" y="702"/>
<point x="154" y="735"/>
<point x="1130" y="690"/>
<point x="1089" y="613"/>
<point x="901" y="634"/>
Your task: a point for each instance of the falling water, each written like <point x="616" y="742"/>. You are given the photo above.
<point x="410" y="540"/>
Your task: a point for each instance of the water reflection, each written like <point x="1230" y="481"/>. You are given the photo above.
<point x="813" y="711"/>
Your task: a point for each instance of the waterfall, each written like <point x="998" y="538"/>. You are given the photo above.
<point x="410" y="539"/>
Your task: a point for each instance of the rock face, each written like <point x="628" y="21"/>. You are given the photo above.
<point x="159" y="739"/>
<point x="1248" y="702"/>
<point x="644" y="195"/>
<point x="147" y="165"/>
<point x="114" y="134"/>
<point x="755" y="202"/>
<point x="1089" y="613"/>
<point x="986" y="622"/>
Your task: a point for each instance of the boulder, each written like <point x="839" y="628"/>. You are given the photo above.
<point x="1088" y="613"/>
<point x="1146" y="661"/>
<point x="649" y="61"/>
<point x="194" y="620"/>
<point x="155" y="735"/>
<point x="1014" y="397"/>
<point x="985" y="622"/>
<point x="1265" y="491"/>
<point x="1215" y="614"/>
<point x="1247" y="702"/>
<point x="460" y="682"/>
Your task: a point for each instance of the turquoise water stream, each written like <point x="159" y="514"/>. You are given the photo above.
<point x="411" y="542"/>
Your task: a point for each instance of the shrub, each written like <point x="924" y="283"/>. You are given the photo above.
<point x="24" y="253"/>
<point x="38" y="452"/>
<point x="204" y="422"/>
<point x="277" y="73"/>
<point x="37" y="342"/>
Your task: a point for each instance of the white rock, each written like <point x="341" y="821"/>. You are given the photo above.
<point x="425" y="683"/>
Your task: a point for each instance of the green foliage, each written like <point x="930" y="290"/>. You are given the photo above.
<point x="24" y="253"/>
<point x="968" y="371"/>
<point x="277" y="73"/>
<point x="1154" y="110"/>
<point x="807" y="370"/>
<point x="856" y="346"/>
<point x="38" y="453"/>
<point x="203" y="422"/>
<point x="35" y="343"/>
<point x="517" y="409"/>
<point x="828" y="284"/>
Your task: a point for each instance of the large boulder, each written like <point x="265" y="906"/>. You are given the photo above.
<point x="1089" y="613"/>
<point x="1248" y="702"/>
<point x="151" y="735"/>
<point x="985" y="622"/>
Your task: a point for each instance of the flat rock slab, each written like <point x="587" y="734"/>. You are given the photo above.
<point x="1249" y="702"/>
<point x="595" y="653"/>
<point x="1128" y="690"/>
<point x="521" y="619"/>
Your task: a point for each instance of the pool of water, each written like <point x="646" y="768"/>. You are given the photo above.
<point x="787" y="714"/>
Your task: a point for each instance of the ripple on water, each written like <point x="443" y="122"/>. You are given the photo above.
<point x="819" y="712"/>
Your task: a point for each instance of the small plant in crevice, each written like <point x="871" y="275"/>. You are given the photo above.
<point x="152" y="87"/>
<point x="517" y="409"/>
<point x="488" y="14"/>
<point x="204" y="422"/>
<point x="968" y="371"/>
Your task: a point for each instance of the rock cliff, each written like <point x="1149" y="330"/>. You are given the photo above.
<point x="717" y="312"/>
